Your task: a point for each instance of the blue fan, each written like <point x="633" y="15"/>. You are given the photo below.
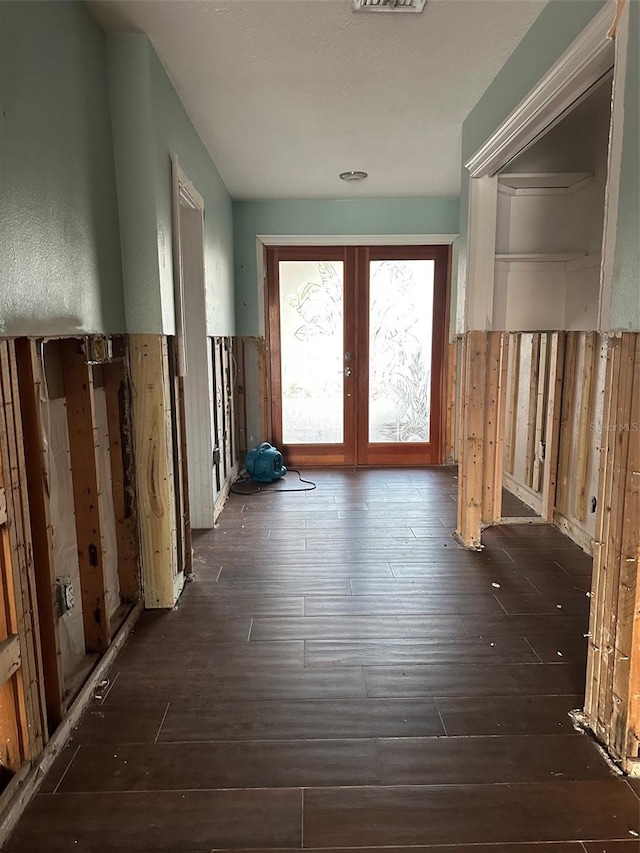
<point x="265" y="464"/>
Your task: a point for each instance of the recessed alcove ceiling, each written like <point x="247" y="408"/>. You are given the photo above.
<point x="286" y="94"/>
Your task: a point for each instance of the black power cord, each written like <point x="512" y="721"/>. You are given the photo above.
<point x="267" y="488"/>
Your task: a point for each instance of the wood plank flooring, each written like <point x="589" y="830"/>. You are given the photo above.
<point x="341" y="676"/>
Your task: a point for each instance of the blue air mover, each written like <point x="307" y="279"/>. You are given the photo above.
<point x="265" y="464"/>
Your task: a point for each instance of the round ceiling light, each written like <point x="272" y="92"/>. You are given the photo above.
<point x="353" y="176"/>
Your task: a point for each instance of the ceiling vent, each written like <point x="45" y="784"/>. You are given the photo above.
<point x="388" y="5"/>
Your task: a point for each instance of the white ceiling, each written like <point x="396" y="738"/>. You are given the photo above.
<point x="288" y="93"/>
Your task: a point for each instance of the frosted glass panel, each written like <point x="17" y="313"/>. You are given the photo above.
<point x="311" y="350"/>
<point x="400" y="332"/>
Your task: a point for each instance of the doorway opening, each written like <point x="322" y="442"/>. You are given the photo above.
<point x="356" y="342"/>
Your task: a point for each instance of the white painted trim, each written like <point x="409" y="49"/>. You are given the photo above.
<point x="263" y="240"/>
<point x="589" y="57"/>
<point x="356" y="239"/>
<point x="483" y="213"/>
<point x="178" y="279"/>
<point x="614" y="169"/>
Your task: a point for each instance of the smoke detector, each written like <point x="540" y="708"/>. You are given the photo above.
<point x="388" y="5"/>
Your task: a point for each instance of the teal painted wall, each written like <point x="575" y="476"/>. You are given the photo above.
<point x="130" y="92"/>
<point x="554" y="30"/>
<point x="174" y="133"/>
<point x="320" y="217"/>
<point x="625" y="298"/>
<point x="150" y="123"/>
<point x="60" y="263"/>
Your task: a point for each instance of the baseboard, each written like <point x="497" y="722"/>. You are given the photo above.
<point x="224" y="492"/>
<point x="532" y="499"/>
<point x="24" y="785"/>
<point x="577" y="534"/>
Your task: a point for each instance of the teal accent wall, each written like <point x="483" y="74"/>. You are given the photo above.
<point x="150" y="123"/>
<point x="625" y="298"/>
<point x="130" y="91"/>
<point x="322" y="217"/>
<point x="60" y="262"/>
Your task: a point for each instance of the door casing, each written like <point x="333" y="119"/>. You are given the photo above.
<point x="356" y="449"/>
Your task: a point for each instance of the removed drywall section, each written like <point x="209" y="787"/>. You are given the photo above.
<point x="60" y="265"/>
<point x="321" y="217"/>
<point x="105" y="499"/>
<point x="63" y="529"/>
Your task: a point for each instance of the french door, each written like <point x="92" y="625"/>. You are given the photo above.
<point x="356" y="341"/>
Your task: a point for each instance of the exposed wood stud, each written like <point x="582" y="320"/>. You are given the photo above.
<point x="149" y="364"/>
<point x="10" y="659"/>
<point x="23" y="599"/>
<point x="451" y="400"/>
<point x="240" y="397"/>
<point x="552" y="424"/>
<point x="470" y="493"/>
<point x="541" y="405"/>
<point x="494" y="408"/>
<point x="582" y="456"/>
<point x="566" y="431"/>
<point x="22" y="711"/>
<point x="84" y="447"/>
<point x="122" y="480"/>
<point x="512" y="406"/>
<point x="30" y="382"/>
<point x="532" y="409"/>
<point x="613" y="668"/>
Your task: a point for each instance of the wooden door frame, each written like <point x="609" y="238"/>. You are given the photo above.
<point x="360" y="451"/>
<point x="306" y="454"/>
<point x="372" y="453"/>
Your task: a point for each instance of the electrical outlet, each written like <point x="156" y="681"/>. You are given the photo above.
<point x="64" y="592"/>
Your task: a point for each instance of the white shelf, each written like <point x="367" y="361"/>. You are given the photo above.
<point x="542" y="258"/>
<point x="543" y="183"/>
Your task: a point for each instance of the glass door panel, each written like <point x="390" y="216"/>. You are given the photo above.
<point x="400" y="343"/>
<point x="312" y="351"/>
<point x="356" y="341"/>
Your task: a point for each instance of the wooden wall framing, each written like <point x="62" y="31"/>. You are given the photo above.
<point x="229" y="398"/>
<point x="23" y="724"/>
<point x="483" y="399"/>
<point x="155" y="474"/>
<point x="612" y="704"/>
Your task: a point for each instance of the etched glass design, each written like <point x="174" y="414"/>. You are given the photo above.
<point x="311" y="351"/>
<point x="400" y="333"/>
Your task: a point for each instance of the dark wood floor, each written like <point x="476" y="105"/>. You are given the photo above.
<point x="341" y="675"/>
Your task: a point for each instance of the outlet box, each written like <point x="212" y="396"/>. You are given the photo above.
<point x="64" y="594"/>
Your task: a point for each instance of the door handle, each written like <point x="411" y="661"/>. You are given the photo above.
<point x="348" y="371"/>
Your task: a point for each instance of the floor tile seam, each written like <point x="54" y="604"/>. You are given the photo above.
<point x="422" y="846"/>
<point x="444" y="728"/>
<point x="526" y="639"/>
<point x="341" y="739"/>
<point x="361" y="787"/>
<point x="164" y="717"/>
<point x="66" y="770"/>
<point x="110" y="687"/>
